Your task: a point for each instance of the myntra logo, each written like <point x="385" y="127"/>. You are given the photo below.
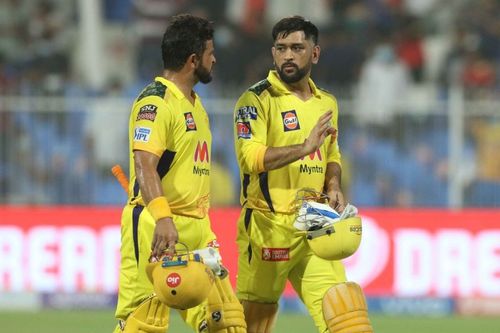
<point x="201" y="152"/>
<point x="312" y="155"/>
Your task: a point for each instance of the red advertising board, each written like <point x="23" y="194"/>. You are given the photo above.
<point x="429" y="253"/>
<point x="403" y="252"/>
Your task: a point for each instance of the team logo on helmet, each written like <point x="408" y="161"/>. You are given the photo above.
<point x="290" y="121"/>
<point x="357" y="229"/>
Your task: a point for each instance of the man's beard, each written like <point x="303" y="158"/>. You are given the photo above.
<point x="203" y="74"/>
<point x="295" y="77"/>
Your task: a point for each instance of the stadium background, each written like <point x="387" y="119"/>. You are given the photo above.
<point x="418" y="89"/>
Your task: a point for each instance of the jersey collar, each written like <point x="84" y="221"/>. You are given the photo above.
<point x="171" y="87"/>
<point x="276" y="82"/>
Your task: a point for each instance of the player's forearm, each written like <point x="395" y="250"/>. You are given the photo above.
<point x="333" y="177"/>
<point x="149" y="183"/>
<point x="147" y="176"/>
<point x="277" y="157"/>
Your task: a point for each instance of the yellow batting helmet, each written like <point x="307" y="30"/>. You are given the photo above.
<point x="182" y="281"/>
<point x="330" y="235"/>
<point x="337" y="241"/>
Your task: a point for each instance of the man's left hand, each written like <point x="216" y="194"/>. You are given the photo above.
<point x="336" y="200"/>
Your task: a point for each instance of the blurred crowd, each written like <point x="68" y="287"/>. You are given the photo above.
<point x="391" y="64"/>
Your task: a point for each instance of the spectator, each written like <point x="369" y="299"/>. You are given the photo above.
<point x="485" y="189"/>
<point x="383" y="85"/>
<point x="409" y="47"/>
<point x="341" y="63"/>
<point x="105" y="129"/>
<point x="478" y="76"/>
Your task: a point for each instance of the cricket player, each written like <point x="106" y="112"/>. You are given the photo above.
<point x="168" y="203"/>
<point x="285" y="140"/>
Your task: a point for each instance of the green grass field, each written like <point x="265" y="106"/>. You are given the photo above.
<point x="103" y="322"/>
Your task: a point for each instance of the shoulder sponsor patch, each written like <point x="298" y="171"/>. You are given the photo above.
<point x="246" y="113"/>
<point x="147" y="112"/>
<point x="141" y="134"/>
<point x="243" y="129"/>
<point x="290" y="121"/>
<point x="190" y="124"/>
<point x="275" y="254"/>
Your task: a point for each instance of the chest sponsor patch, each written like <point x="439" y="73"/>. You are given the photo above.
<point x="275" y="254"/>
<point x="147" y="112"/>
<point x="190" y="124"/>
<point x="290" y="121"/>
<point x="141" y="134"/>
<point x="246" y="113"/>
<point x="243" y="129"/>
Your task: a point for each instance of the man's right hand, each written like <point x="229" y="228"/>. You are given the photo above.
<point x="277" y="157"/>
<point x="318" y="134"/>
<point x="164" y="238"/>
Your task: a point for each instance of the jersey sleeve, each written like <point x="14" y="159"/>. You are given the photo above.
<point x="250" y="133"/>
<point x="333" y="151"/>
<point x="151" y="123"/>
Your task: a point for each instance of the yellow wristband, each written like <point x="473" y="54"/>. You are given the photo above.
<point x="259" y="159"/>
<point x="159" y="208"/>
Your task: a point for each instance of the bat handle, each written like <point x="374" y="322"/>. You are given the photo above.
<point x="117" y="171"/>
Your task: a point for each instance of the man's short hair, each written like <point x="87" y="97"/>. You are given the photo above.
<point x="291" y="24"/>
<point x="185" y="34"/>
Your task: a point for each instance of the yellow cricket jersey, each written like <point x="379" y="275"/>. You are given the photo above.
<point x="164" y="122"/>
<point x="269" y="115"/>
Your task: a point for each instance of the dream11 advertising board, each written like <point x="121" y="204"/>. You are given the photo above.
<point x="404" y="253"/>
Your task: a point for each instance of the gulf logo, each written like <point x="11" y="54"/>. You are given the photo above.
<point x="290" y="121"/>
